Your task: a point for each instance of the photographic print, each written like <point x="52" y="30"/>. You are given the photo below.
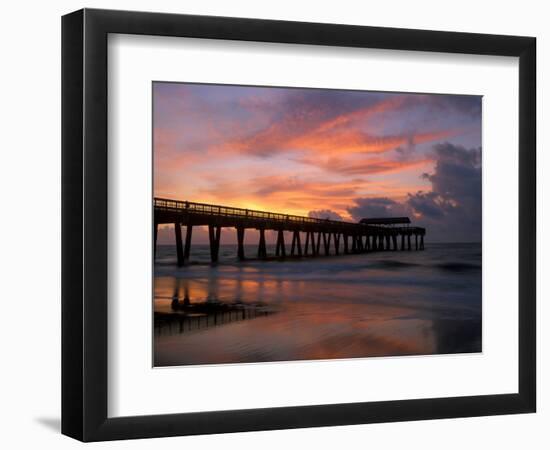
<point x="314" y="224"/>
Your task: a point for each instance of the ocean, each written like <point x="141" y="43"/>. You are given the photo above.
<point x="391" y="303"/>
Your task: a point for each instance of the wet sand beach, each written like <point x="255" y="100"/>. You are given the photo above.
<point x="378" y="304"/>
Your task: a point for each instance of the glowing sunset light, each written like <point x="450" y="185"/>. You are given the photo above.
<point x="300" y="151"/>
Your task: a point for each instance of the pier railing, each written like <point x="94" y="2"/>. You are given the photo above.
<point x="242" y="213"/>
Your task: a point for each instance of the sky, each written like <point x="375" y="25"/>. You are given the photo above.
<point x="340" y="154"/>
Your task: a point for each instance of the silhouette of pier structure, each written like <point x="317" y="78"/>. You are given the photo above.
<point x="369" y="235"/>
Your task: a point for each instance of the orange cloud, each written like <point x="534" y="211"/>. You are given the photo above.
<point x="317" y="162"/>
<point x="368" y="166"/>
<point x="332" y="140"/>
<point x="305" y="132"/>
<point x="283" y="193"/>
<point x="363" y="113"/>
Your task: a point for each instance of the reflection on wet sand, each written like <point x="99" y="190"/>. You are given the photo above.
<point x="187" y="315"/>
<point x="203" y="318"/>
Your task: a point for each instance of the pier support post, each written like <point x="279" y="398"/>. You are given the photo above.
<point x="214" y="233"/>
<point x="262" y="250"/>
<point x="360" y="246"/>
<point x="337" y="243"/>
<point x="394" y="238"/>
<point x="416" y="241"/>
<point x="306" y="247"/>
<point x="421" y="242"/>
<point x="280" y="249"/>
<point x="326" y="242"/>
<point x="402" y="241"/>
<point x="367" y="243"/>
<point x="240" y="243"/>
<point x="388" y="247"/>
<point x="187" y="248"/>
<point x="296" y="244"/>
<point x="381" y="242"/>
<point x="346" y="248"/>
<point x="155" y="240"/>
<point x="179" y="246"/>
<point x="409" y="241"/>
<point x="318" y="245"/>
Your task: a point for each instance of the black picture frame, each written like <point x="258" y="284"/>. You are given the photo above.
<point x="84" y="224"/>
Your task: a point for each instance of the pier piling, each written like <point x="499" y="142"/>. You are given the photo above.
<point x="280" y="249"/>
<point x="156" y="232"/>
<point x="240" y="243"/>
<point x="306" y="246"/>
<point x="262" y="249"/>
<point x="337" y="243"/>
<point x="214" y="233"/>
<point x="179" y="247"/>
<point x="187" y="248"/>
<point x="296" y="244"/>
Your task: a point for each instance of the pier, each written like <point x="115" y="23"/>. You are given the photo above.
<point x="310" y="236"/>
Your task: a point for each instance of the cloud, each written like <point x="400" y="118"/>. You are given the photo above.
<point x="451" y="211"/>
<point x="428" y="205"/>
<point x="269" y="185"/>
<point x="325" y="214"/>
<point x="377" y="207"/>
<point x="326" y="122"/>
<point x="368" y="166"/>
<point x="335" y="136"/>
<point x="319" y="122"/>
<point x="310" y="150"/>
<point x="465" y="104"/>
<point x="454" y="206"/>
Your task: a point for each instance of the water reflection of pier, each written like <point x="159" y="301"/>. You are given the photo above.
<point x="185" y="315"/>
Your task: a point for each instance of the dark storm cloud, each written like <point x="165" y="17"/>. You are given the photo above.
<point x="324" y="214"/>
<point x="426" y="204"/>
<point x="377" y="207"/>
<point x="464" y="104"/>
<point x="451" y="211"/>
<point x="456" y="181"/>
<point x="326" y="104"/>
